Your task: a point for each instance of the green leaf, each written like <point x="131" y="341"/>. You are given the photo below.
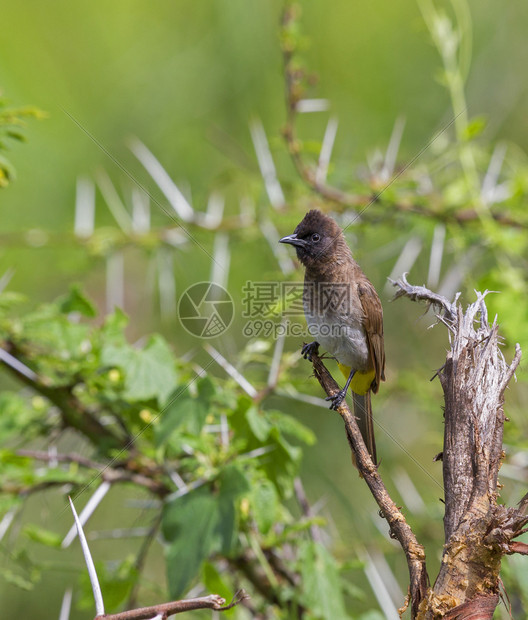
<point x="288" y="425"/>
<point x="321" y="583"/>
<point x="264" y="504"/>
<point x="474" y="128"/>
<point x="10" y="299"/>
<point x="16" y="580"/>
<point x="189" y="524"/>
<point x="76" y="301"/>
<point x="232" y="484"/>
<point x="43" y="536"/>
<point x="113" y="330"/>
<point x="214" y="583"/>
<point x="206" y="390"/>
<point x="184" y="415"/>
<point x="149" y="372"/>
<point x="17" y="416"/>
<point x="281" y="464"/>
<point x="258" y="423"/>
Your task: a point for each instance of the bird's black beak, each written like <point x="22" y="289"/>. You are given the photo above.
<point x="293" y="240"/>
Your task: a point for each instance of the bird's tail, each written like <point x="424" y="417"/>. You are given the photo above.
<point x="363" y="414"/>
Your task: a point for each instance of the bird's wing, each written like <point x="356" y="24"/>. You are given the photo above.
<point x="373" y="324"/>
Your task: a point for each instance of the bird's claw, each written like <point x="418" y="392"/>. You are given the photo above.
<point x="308" y="349"/>
<point x="337" y="399"/>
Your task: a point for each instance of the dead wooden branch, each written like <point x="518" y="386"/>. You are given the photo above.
<point x="478" y="530"/>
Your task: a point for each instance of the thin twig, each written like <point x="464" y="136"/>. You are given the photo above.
<point x="298" y="487"/>
<point x="213" y="601"/>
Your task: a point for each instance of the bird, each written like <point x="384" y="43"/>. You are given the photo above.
<point x="343" y="312"/>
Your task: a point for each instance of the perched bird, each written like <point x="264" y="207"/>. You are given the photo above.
<point x="343" y="312"/>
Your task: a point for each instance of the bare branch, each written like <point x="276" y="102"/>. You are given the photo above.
<point x="298" y="487"/>
<point x="213" y="601"/>
<point x="147" y="478"/>
<point x="399" y="527"/>
<point x="421" y="293"/>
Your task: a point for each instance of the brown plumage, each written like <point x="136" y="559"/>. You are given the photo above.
<point x="343" y="312"/>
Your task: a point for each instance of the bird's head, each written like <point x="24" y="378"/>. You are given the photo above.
<point x="317" y="239"/>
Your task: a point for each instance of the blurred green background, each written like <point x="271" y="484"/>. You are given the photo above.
<point x="186" y="78"/>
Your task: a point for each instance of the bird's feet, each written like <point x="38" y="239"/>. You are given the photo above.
<point x="308" y="349"/>
<point x="337" y="399"/>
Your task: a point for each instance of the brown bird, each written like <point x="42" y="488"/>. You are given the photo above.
<point x="343" y="312"/>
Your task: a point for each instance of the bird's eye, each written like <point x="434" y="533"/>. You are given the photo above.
<point x="315" y="237"/>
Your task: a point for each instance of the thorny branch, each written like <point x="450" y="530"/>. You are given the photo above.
<point x="435" y="207"/>
<point x="148" y="478"/>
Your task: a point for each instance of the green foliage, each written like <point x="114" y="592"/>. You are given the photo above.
<point x="230" y="499"/>
<point x="149" y="372"/>
<point x="12" y="126"/>
<point x="322" y="590"/>
<point x="201" y="524"/>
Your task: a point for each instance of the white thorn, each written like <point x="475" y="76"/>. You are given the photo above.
<point x="96" y="588"/>
<point x="410" y="252"/>
<point x="115" y="281"/>
<point x="187" y="489"/>
<point x="280" y="252"/>
<point x="435" y="260"/>
<point x="392" y="149"/>
<point x="306" y="106"/>
<point x="114" y="202"/>
<point x="326" y="150"/>
<point x="224" y="431"/>
<point x="489" y="184"/>
<point x="66" y="605"/>
<point x="222" y="259"/>
<point x="378" y="586"/>
<point x="21" y="368"/>
<point x="277" y="354"/>
<point x="84" y="208"/>
<point x="456" y="274"/>
<point x="86" y="513"/>
<point x="266" y="165"/>
<point x="140" y="211"/>
<point x="6" y="521"/>
<point x="162" y="179"/>
<point x="214" y="212"/>
<point x="231" y="370"/>
<point x="409" y="493"/>
<point x="166" y="284"/>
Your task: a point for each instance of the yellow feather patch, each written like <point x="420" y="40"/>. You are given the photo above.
<point x="361" y="381"/>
